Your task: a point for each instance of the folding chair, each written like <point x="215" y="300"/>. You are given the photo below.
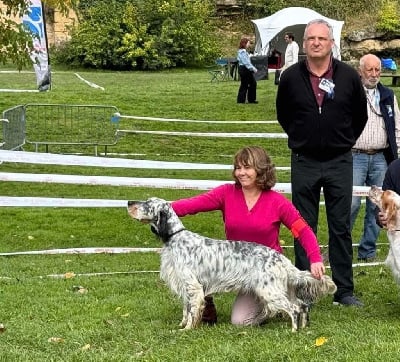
<point x="220" y="71"/>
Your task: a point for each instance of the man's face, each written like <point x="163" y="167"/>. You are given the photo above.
<point x="286" y="38"/>
<point x="370" y="72"/>
<point x="317" y="43"/>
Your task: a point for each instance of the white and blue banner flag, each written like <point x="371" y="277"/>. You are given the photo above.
<point x="34" y="20"/>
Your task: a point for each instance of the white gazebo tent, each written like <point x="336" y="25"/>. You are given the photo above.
<point x="270" y="31"/>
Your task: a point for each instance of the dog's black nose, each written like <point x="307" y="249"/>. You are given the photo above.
<point x="130" y="203"/>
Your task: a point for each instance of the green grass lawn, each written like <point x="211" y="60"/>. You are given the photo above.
<point x="114" y="307"/>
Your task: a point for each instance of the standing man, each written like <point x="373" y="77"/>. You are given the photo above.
<point x="374" y="149"/>
<point x="321" y="105"/>
<point x="292" y="51"/>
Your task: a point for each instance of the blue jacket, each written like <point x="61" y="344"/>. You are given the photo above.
<point x="386" y="106"/>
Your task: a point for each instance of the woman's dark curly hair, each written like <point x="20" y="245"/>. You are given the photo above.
<point x="257" y="158"/>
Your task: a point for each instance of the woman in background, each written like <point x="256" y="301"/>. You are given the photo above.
<point x="248" y="84"/>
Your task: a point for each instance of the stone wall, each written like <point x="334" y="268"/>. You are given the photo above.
<point x="57" y="24"/>
<point x="58" y="27"/>
<point x="357" y="43"/>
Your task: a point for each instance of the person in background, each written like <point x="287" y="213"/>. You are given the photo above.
<point x="292" y="51"/>
<point x="321" y="105"/>
<point x="375" y="148"/>
<point x="252" y="212"/>
<point x="248" y="84"/>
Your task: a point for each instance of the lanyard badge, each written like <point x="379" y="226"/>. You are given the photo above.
<point x="328" y="86"/>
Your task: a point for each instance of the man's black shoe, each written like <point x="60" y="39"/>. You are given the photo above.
<point x="348" y="301"/>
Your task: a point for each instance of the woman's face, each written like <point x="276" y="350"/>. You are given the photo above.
<point x="246" y="176"/>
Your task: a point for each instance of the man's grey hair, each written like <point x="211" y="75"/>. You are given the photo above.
<point x="319" y="21"/>
<point x="364" y="58"/>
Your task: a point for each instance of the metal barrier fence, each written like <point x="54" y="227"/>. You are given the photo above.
<point x="60" y="124"/>
<point x="13" y="125"/>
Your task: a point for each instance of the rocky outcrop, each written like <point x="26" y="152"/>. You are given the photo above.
<point x="359" y="42"/>
<point x="380" y="48"/>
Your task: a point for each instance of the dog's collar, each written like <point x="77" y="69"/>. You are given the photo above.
<point x="174" y="233"/>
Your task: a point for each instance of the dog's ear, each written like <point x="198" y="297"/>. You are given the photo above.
<point x="162" y="225"/>
<point x="390" y="208"/>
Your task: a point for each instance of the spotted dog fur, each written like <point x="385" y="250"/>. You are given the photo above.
<point x="389" y="202"/>
<point x="194" y="266"/>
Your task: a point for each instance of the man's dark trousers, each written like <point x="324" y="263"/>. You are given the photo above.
<point x="335" y="175"/>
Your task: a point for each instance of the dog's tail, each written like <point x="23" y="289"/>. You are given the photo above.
<point x="309" y="289"/>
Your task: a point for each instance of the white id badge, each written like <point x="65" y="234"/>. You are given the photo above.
<point x="326" y="85"/>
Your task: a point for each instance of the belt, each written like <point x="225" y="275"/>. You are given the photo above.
<point x="368" y="152"/>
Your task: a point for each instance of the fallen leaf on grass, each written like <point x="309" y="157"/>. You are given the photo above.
<point x="69" y="275"/>
<point x="109" y="322"/>
<point x="30" y="237"/>
<point x="79" y="289"/>
<point x="56" y="339"/>
<point x="125" y="315"/>
<point x="2" y="328"/>
<point x="86" y="347"/>
<point x="320" y="341"/>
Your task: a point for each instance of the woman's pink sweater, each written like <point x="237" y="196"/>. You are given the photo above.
<point x="261" y="224"/>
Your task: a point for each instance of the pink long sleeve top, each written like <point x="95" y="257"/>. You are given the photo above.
<point x="261" y="224"/>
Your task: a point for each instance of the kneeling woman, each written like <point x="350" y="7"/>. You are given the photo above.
<point x="252" y="212"/>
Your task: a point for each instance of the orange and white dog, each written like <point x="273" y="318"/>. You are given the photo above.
<point x="389" y="202"/>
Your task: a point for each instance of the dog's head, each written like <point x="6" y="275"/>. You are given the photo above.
<point x="312" y="292"/>
<point x="389" y="202"/>
<point x="375" y="195"/>
<point x="156" y="212"/>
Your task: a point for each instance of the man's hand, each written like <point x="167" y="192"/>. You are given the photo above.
<point x="382" y="218"/>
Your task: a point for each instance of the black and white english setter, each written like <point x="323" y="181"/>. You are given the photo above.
<point x="194" y="266"/>
<point x="389" y="202"/>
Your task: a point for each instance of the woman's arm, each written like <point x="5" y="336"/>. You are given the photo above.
<point x="208" y="201"/>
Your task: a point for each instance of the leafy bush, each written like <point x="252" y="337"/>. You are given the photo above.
<point x="95" y="41"/>
<point x="388" y="18"/>
<point x="153" y="34"/>
<point x="330" y="8"/>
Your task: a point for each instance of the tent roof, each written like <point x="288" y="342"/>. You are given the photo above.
<point x="267" y="28"/>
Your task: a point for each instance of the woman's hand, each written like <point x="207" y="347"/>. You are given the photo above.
<point x="317" y="270"/>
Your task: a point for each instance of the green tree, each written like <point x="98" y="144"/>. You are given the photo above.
<point x="388" y="17"/>
<point x="15" y="39"/>
<point x="95" y="41"/>
<point x="169" y="33"/>
<point x="137" y="34"/>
